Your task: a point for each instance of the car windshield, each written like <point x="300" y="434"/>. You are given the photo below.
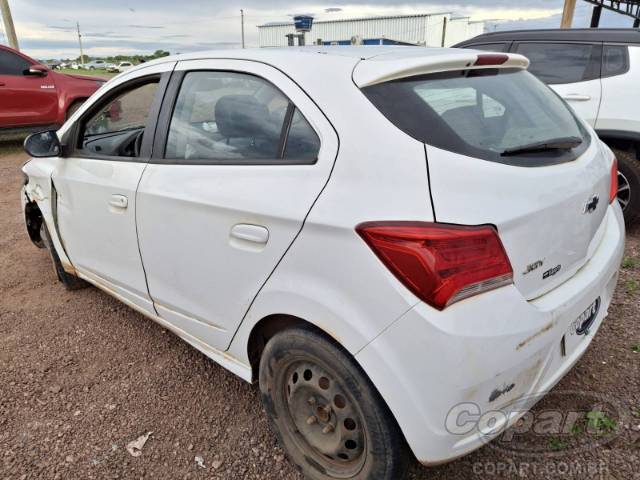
<point x="503" y="115"/>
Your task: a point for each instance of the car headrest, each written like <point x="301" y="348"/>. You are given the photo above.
<point x="241" y="116"/>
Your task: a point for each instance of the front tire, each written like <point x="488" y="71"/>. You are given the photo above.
<point x="70" y="282"/>
<point x="327" y="414"/>
<point x="629" y="185"/>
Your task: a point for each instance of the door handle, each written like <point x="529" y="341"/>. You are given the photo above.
<point x="576" y="97"/>
<point x="2" y="84"/>
<point x="118" y="201"/>
<point x="250" y="233"/>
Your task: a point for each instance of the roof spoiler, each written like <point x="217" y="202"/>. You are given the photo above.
<point x="380" y="70"/>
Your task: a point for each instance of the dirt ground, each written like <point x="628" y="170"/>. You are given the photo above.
<point x="82" y="375"/>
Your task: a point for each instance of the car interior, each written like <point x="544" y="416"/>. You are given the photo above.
<point x="117" y="129"/>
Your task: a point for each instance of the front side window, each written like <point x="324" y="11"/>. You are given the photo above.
<point x="502" y="115"/>
<point x="558" y="63"/>
<point x="12" y="64"/>
<point x="237" y="118"/>
<point x="118" y="126"/>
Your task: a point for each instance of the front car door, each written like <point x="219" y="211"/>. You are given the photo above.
<point x="109" y="146"/>
<point x="25" y="99"/>
<point x="571" y="69"/>
<point x="241" y="158"/>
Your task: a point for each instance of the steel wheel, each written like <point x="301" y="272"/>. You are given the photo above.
<point x="624" y="190"/>
<point x="324" y="419"/>
<point x="329" y="418"/>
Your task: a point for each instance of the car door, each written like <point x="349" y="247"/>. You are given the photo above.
<point x="243" y="155"/>
<point x="571" y="69"/>
<point x="620" y="64"/>
<point x="96" y="183"/>
<point x="25" y="99"/>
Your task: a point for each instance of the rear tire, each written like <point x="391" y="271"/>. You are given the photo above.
<point x="70" y="282"/>
<point x="629" y="185"/>
<point x="328" y="416"/>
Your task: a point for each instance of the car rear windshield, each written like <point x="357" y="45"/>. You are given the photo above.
<point x="502" y="115"/>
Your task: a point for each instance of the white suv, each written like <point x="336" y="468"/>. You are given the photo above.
<point x="597" y="71"/>
<point x="376" y="235"/>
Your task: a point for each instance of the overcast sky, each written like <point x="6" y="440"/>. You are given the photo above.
<point x="46" y="28"/>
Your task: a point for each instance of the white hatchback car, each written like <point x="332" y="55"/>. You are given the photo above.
<point x="393" y="241"/>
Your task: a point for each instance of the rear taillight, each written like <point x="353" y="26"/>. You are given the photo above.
<point x="441" y="264"/>
<point x="613" y="190"/>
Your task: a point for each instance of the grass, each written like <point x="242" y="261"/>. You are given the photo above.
<point x="632" y="285"/>
<point x="556" y="444"/>
<point x="629" y="262"/>
<point x="635" y="348"/>
<point x="598" y="422"/>
<point x="93" y="73"/>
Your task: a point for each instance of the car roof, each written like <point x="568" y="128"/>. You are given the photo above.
<point x="313" y="54"/>
<point x="374" y="63"/>
<point x="607" y="35"/>
<point x="273" y="54"/>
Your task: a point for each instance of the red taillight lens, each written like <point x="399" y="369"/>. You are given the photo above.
<point x="441" y="264"/>
<point x="613" y="191"/>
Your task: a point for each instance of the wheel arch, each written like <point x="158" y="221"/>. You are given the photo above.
<point x="268" y="327"/>
<point x="621" y="140"/>
<point x="33" y="220"/>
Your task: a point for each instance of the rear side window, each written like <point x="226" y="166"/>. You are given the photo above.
<point x="486" y="114"/>
<point x="12" y="64"/>
<point x="230" y="117"/>
<point x="615" y="60"/>
<point x="558" y="63"/>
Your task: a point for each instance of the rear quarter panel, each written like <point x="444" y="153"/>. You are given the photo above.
<point x="330" y="277"/>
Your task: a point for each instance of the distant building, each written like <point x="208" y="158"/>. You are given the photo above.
<point x="430" y="29"/>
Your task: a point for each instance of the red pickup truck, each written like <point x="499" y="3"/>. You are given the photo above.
<point x="32" y="96"/>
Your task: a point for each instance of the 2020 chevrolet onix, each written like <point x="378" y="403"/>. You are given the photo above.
<point x="376" y="235"/>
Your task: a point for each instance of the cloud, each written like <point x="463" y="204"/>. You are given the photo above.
<point x="142" y="26"/>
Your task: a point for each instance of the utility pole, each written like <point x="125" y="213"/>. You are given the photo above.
<point x="567" y="13"/>
<point x="242" y="25"/>
<point x="8" y="24"/>
<point x="80" y="42"/>
<point x="444" y="31"/>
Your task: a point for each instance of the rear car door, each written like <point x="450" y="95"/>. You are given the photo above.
<point x="25" y="99"/>
<point x="571" y="69"/>
<point x="96" y="183"/>
<point x="241" y="155"/>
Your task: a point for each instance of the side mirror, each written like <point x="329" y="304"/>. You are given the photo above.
<point x="36" y="71"/>
<point x="43" y="144"/>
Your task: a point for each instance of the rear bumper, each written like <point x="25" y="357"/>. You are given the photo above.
<point x="439" y="372"/>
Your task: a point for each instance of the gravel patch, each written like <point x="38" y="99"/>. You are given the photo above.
<point x="84" y="379"/>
